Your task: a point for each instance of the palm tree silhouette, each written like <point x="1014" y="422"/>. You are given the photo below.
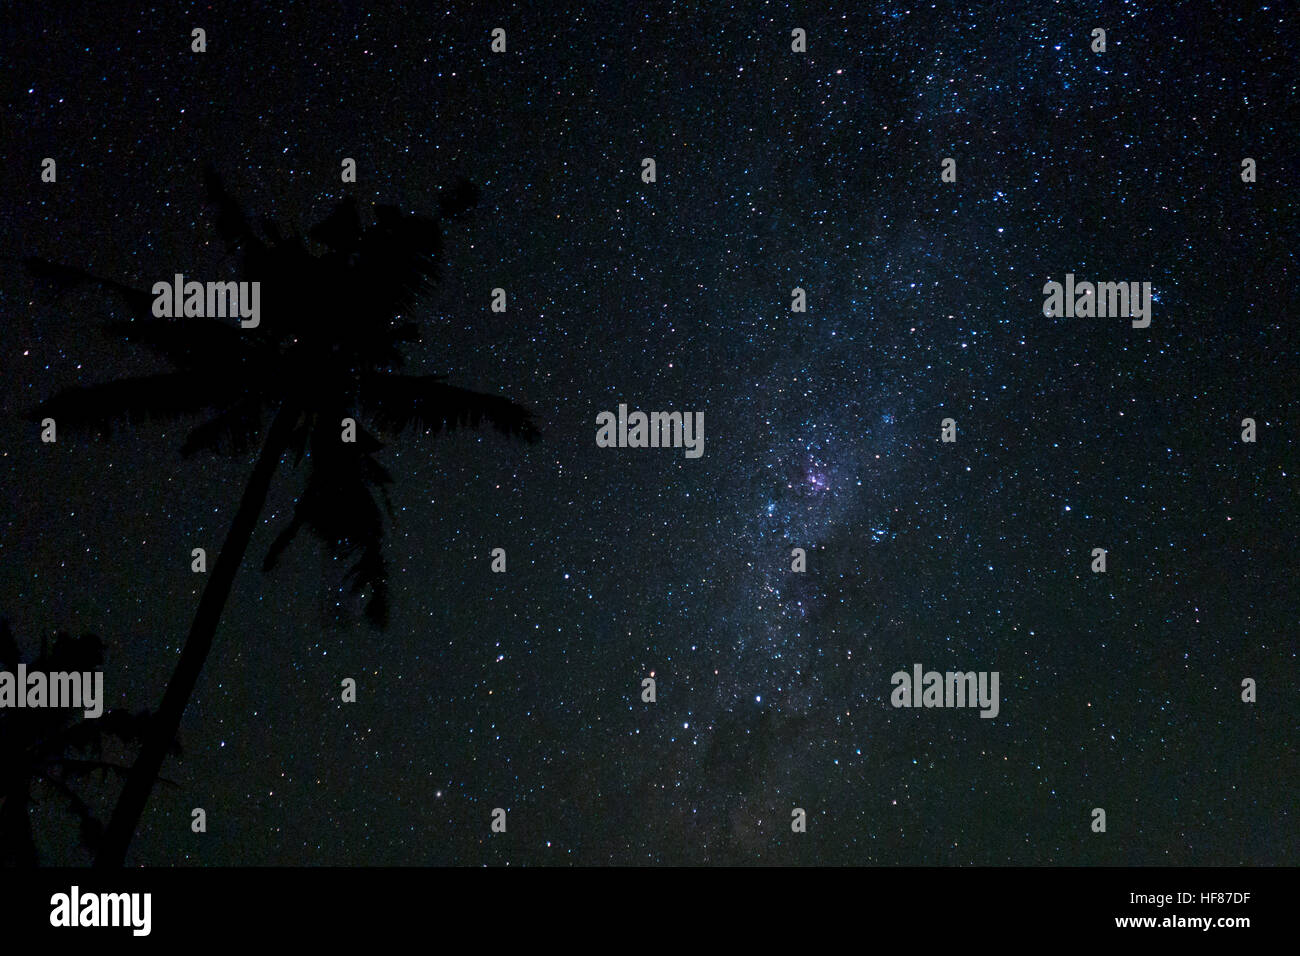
<point x="327" y="348"/>
<point x="36" y="746"/>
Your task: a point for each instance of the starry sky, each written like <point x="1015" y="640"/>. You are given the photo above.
<point x="822" y="429"/>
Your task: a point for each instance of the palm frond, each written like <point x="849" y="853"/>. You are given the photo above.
<point x="165" y="397"/>
<point x="231" y="223"/>
<point x="398" y="260"/>
<point x="398" y="402"/>
<point x="282" y="541"/>
<point x="66" y="278"/>
<point x="234" y="431"/>
<point x="338" y="506"/>
<point x="371" y="572"/>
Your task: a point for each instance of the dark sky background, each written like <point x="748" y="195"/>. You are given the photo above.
<point x="1118" y="690"/>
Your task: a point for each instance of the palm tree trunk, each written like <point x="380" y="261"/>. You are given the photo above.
<point x="162" y="731"/>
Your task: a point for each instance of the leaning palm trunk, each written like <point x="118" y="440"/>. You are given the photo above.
<point x="139" y="783"/>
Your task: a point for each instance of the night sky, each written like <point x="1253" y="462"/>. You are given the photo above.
<point x="775" y="170"/>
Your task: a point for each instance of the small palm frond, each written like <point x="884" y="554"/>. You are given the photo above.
<point x="371" y="571"/>
<point x="282" y="541"/>
<point x="231" y="223"/>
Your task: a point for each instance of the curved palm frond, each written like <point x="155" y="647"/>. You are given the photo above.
<point x="398" y="402"/>
<point x="283" y="540"/>
<point x="371" y="571"/>
<point x="231" y="223"/>
<point x="66" y="278"/>
<point x="165" y="397"/>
